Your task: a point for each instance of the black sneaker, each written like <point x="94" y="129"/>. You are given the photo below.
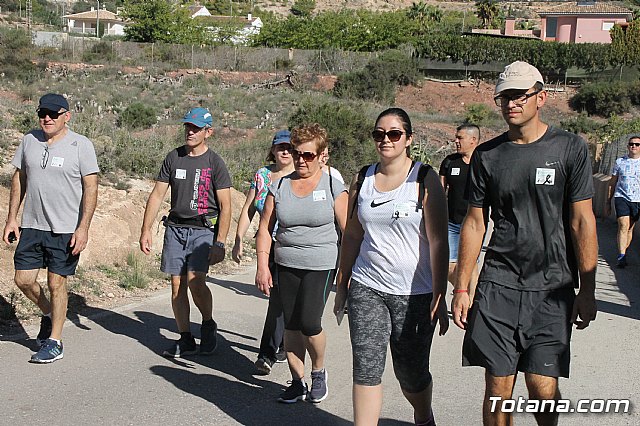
<point x="264" y="364"/>
<point x="183" y="346"/>
<point x="45" y="330"/>
<point x="49" y="351"/>
<point x="622" y="261"/>
<point x="319" y="389"/>
<point x="281" y="356"/>
<point x="297" y="391"/>
<point x="208" y="337"/>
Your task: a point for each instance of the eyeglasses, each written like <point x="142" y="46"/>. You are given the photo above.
<point x="518" y="100"/>
<point x="45" y="158"/>
<point x="284" y="147"/>
<point x="393" y="135"/>
<point x="307" y="156"/>
<point x="42" y="113"/>
<point x="634" y="144"/>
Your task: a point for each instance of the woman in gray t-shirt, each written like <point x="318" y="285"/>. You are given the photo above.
<point x="307" y="205"/>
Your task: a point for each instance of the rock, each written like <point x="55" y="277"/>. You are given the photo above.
<point x="111" y="295"/>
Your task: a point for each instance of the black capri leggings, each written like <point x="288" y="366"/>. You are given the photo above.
<point x="304" y="294"/>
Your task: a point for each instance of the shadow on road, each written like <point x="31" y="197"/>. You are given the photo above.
<point x="619" y="291"/>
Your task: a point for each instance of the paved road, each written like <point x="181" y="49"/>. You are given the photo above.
<point x="112" y="373"/>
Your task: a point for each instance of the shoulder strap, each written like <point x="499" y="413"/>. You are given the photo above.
<point x="422" y="174"/>
<point x="359" y="181"/>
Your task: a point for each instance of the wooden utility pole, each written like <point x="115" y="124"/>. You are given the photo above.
<point x="28" y="12"/>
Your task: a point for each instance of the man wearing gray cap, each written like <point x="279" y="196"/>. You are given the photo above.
<point x="537" y="180"/>
<point x="56" y="176"/>
<point x="196" y="228"/>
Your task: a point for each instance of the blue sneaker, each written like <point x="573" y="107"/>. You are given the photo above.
<point x="49" y="351"/>
<point x="319" y="389"/>
<point x="622" y="261"/>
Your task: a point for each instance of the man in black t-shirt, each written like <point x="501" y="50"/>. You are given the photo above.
<point x="196" y="228"/>
<point x="454" y="170"/>
<point x="537" y="180"/>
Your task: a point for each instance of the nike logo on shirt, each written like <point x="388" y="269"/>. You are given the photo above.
<point x="374" y="204"/>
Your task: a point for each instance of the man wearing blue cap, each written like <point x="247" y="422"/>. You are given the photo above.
<point x="56" y="176"/>
<point x="196" y="227"/>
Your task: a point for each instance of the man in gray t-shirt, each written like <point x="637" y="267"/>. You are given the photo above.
<point x="196" y="228"/>
<point x="56" y="176"/>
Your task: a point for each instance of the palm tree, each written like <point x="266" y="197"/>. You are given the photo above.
<point x="424" y="14"/>
<point x="487" y="11"/>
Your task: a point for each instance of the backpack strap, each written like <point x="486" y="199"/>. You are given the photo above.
<point x="359" y="181"/>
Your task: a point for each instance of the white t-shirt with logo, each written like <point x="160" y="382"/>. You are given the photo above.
<point x="628" y="172"/>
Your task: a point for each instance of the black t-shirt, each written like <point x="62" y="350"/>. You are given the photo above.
<point x="529" y="189"/>
<point x="193" y="182"/>
<point x="455" y="171"/>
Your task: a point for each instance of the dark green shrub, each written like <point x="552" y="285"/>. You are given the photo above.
<point x="604" y="99"/>
<point x="137" y="116"/>
<point x="15" y="54"/>
<point x="99" y="53"/>
<point x="480" y="114"/>
<point x="580" y="124"/>
<point x="348" y="127"/>
<point x="379" y="78"/>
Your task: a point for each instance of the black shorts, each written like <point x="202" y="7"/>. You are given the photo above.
<point x="45" y="249"/>
<point x="304" y="294"/>
<point x="627" y="208"/>
<point x="511" y="330"/>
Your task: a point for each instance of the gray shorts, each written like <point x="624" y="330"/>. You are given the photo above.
<point x="186" y="249"/>
<point x="377" y="319"/>
<point x="512" y="330"/>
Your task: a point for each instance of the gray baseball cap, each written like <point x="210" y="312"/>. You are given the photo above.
<point x="518" y="75"/>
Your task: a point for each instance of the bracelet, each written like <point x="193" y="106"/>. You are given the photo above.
<point x="459" y="290"/>
<point x="262" y="251"/>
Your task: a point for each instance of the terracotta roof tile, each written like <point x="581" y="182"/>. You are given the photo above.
<point x="595" y="8"/>
<point x="91" y="14"/>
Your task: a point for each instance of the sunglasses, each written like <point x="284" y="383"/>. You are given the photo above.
<point x="393" y="135"/>
<point x="634" y="144"/>
<point x="307" y="156"/>
<point x="42" y="113"/>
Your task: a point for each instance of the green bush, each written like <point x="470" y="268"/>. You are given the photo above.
<point x="605" y="98"/>
<point x="580" y="124"/>
<point x="480" y="114"/>
<point x="16" y="54"/>
<point x="99" y="53"/>
<point x="348" y="127"/>
<point x="137" y="116"/>
<point x="379" y="78"/>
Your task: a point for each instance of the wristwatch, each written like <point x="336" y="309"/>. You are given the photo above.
<point x="219" y="244"/>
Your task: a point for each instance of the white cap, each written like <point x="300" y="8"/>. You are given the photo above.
<point x="518" y="75"/>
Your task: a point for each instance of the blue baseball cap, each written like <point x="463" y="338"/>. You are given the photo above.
<point x="200" y="117"/>
<point x="282" y="136"/>
<point x="53" y="102"/>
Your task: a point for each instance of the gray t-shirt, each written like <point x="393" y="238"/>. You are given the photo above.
<point x="53" y="197"/>
<point x="194" y="181"/>
<point x="306" y="237"/>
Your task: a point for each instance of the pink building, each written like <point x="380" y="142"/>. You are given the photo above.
<point x="582" y="22"/>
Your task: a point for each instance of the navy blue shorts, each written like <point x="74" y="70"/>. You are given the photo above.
<point x="45" y="249"/>
<point x="627" y="208"/>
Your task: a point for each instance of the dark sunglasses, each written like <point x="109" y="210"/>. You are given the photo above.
<point x="307" y="156"/>
<point x="284" y="147"/>
<point x="42" y="113"/>
<point x="393" y="135"/>
<point x="634" y="144"/>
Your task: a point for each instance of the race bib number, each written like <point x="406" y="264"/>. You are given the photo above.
<point x="455" y="171"/>
<point x="181" y="174"/>
<point x="545" y="176"/>
<point x="319" y="195"/>
<point x="57" y="162"/>
<point x="402" y="209"/>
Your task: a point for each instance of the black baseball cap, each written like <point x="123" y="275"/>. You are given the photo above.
<point x="53" y="102"/>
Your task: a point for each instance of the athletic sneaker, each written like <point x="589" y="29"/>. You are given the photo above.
<point x="183" y="346"/>
<point x="49" y="351"/>
<point x="430" y="422"/>
<point x="208" y="337"/>
<point x="319" y="389"/>
<point x="622" y="261"/>
<point x="281" y="356"/>
<point x="264" y="364"/>
<point x="45" y="330"/>
<point x="297" y="391"/>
